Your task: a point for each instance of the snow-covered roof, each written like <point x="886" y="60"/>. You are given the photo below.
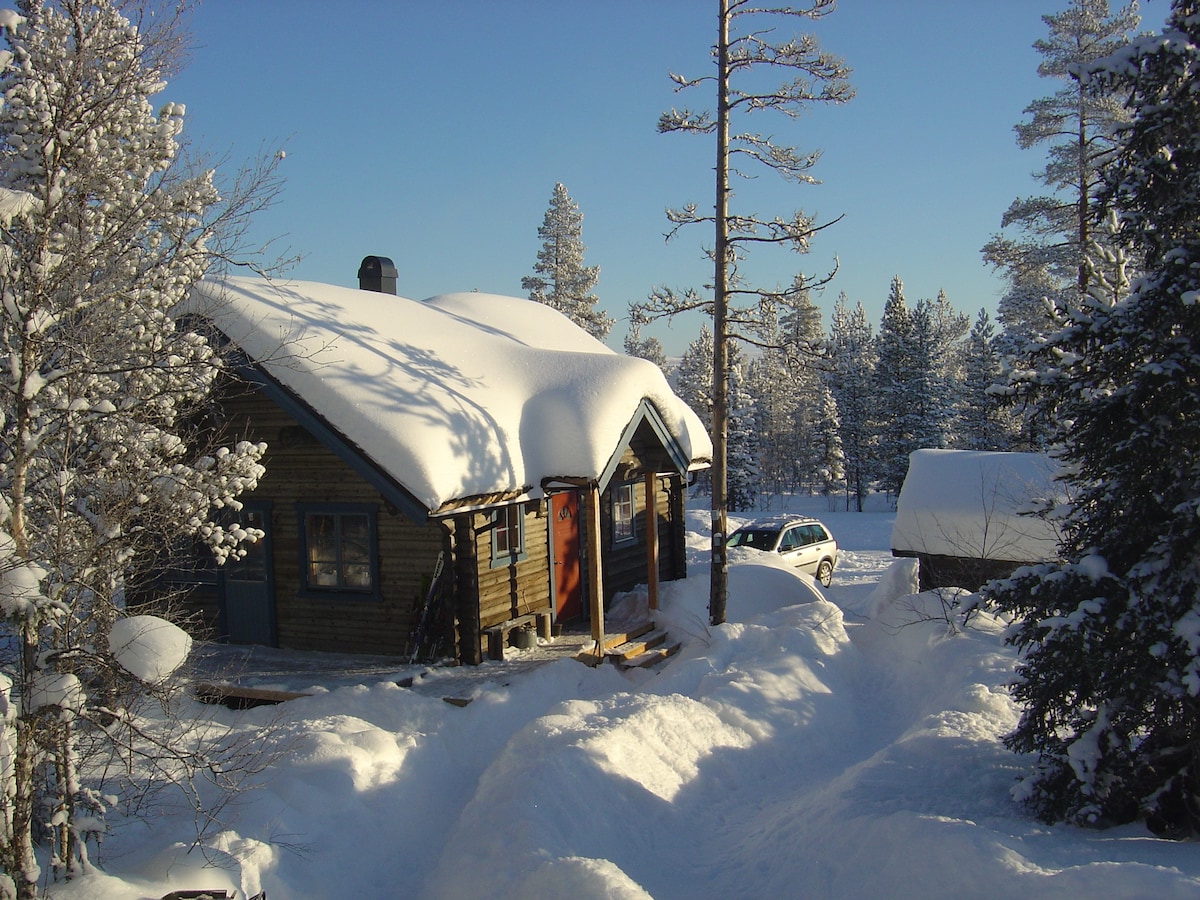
<point x="970" y="504"/>
<point x="459" y="396"/>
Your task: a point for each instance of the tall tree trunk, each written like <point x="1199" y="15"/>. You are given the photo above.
<point x="718" y="583"/>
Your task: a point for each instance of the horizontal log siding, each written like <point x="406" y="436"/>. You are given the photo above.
<point x="301" y="470"/>
<point x="514" y="590"/>
<point x="625" y="566"/>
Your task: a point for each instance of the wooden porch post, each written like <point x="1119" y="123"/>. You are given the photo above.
<point x="652" y="540"/>
<point x="466" y="560"/>
<point x="595" y="582"/>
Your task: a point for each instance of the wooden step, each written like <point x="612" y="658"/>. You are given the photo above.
<point x="651" y="657"/>
<point x="617" y="638"/>
<point x="637" y="646"/>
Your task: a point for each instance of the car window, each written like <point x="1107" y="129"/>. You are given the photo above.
<point x="756" y="538"/>
<point x="791" y="540"/>
<point x="819" y="533"/>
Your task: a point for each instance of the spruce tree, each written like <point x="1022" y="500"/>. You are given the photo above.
<point x="852" y="366"/>
<point x="744" y="475"/>
<point x="560" y="278"/>
<point x="984" y="423"/>
<point x="897" y="419"/>
<point x="649" y="348"/>
<point x="1109" y="675"/>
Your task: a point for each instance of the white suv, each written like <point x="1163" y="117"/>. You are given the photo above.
<point x="804" y="542"/>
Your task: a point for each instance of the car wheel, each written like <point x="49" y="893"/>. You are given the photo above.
<point x="825" y="572"/>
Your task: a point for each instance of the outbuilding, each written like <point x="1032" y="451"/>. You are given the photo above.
<point x="969" y="516"/>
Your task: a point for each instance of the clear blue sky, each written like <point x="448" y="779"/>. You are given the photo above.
<point x="433" y="133"/>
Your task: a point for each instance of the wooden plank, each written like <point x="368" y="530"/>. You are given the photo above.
<point x="595" y="584"/>
<point x="652" y="540"/>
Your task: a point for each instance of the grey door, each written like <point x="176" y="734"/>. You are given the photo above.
<point x="248" y="597"/>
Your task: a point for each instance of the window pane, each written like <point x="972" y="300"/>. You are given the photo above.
<point x="356" y="539"/>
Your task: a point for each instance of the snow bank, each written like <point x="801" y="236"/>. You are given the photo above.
<point x="457" y="396"/>
<point x="796" y="750"/>
<point x="973" y="504"/>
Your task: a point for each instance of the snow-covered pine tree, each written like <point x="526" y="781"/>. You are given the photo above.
<point x="984" y="424"/>
<point x="650" y="348"/>
<point x="897" y="413"/>
<point x="770" y="383"/>
<point x="560" y="278"/>
<point x="693" y="377"/>
<point x="1079" y="126"/>
<point x="852" y="368"/>
<point x="744" y="476"/>
<point x="104" y="229"/>
<point x="1109" y="676"/>
<point x="1044" y="256"/>
<point x="937" y="372"/>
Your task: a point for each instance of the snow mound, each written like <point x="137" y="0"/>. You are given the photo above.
<point x="149" y="648"/>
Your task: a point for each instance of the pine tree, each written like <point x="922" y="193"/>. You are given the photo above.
<point x="1079" y="126"/>
<point x="101" y="438"/>
<point x="693" y="377"/>
<point x="897" y="414"/>
<point x="744" y="52"/>
<point x="769" y="381"/>
<point x="744" y="474"/>
<point x="1109" y="676"/>
<point x="644" y="348"/>
<point x="937" y="373"/>
<point x="985" y="424"/>
<point x="560" y="278"/>
<point x="852" y="359"/>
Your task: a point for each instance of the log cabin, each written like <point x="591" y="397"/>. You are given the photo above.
<point x="437" y="471"/>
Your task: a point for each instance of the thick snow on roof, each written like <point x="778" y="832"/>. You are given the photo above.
<point x="458" y="396"/>
<point x="969" y="504"/>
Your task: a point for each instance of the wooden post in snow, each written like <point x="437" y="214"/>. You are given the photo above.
<point x="595" y="578"/>
<point x="652" y="540"/>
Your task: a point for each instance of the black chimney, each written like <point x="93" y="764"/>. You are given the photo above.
<point x="377" y="273"/>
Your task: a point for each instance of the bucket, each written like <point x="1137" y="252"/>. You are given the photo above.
<point x="524" y="639"/>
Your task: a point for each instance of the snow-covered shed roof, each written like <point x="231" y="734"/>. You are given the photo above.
<point x="460" y="396"/>
<point x="970" y="504"/>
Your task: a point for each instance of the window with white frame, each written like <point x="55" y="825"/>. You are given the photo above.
<point x="622" y="514"/>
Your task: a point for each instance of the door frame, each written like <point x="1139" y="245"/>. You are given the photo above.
<point x="552" y="519"/>
<point x="268" y="583"/>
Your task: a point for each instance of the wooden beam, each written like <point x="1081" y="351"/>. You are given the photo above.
<point x="466" y="564"/>
<point x="595" y="578"/>
<point x="652" y="540"/>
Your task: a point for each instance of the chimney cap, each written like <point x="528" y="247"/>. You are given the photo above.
<point x="377" y="273"/>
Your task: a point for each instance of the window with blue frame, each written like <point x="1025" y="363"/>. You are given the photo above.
<point x="338" y="548"/>
<point x="508" y="535"/>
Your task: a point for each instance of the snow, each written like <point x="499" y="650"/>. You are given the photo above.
<point x="459" y="396"/>
<point x="973" y="504"/>
<point x="835" y="743"/>
<point x="149" y="648"/>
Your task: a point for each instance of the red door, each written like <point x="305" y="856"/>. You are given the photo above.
<point x="564" y="539"/>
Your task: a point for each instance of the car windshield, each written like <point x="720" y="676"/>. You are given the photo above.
<point x="758" y="538"/>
